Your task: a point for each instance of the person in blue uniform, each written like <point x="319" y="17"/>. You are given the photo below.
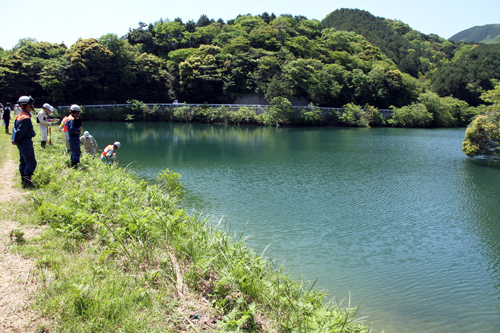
<point x="74" y="126"/>
<point x="22" y="135"/>
<point x="6" y="116"/>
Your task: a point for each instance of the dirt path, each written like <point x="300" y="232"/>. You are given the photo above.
<point x="16" y="283"/>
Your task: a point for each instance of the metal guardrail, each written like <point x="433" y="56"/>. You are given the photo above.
<point x="257" y="107"/>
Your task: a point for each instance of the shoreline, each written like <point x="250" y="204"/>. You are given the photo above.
<point x="106" y="228"/>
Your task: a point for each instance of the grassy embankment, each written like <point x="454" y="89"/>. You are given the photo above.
<point x="121" y="255"/>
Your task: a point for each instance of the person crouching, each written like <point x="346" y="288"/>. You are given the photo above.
<point x="108" y="154"/>
<point x="89" y="143"/>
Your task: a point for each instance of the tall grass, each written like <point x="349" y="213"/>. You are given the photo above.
<point x="122" y="255"/>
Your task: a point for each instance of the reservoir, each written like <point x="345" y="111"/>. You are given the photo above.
<point x="399" y="221"/>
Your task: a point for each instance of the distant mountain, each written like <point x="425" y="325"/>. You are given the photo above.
<point x="488" y="34"/>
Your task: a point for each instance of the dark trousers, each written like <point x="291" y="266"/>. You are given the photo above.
<point x="7" y="121"/>
<point x="74" y="145"/>
<point x="27" y="161"/>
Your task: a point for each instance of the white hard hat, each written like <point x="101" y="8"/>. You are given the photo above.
<point x="117" y="144"/>
<point x="48" y="106"/>
<point x="86" y="134"/>
<point x="24" y="100"/>
<point x="74" y="108"/>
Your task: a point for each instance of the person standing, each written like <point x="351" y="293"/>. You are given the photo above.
<point x="44" y="121"/>
<point x="6" y="116"/>
<point x="22" y="135"/>
<point x="17" y="110"/>
<point x="74" y="126"/>
<point x="64" y="131"/>
<point x="108" y="154"/>
<point x="89" y="143"/>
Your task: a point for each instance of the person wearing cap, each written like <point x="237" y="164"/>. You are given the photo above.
<point x="6" y="116"/>
<point x="108" y="154"/>
<point x="74" y="126"/>
<point x="44" y="121"/>
<point x="22" y="135"/>
<point x="89" y="143"/>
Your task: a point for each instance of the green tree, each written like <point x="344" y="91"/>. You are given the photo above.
<point x="53" y="79"/>
<point x="23" y="42"/>
<point x="282" y="86"/>
<point x="482" y="137"/>
<point x="312" y="115"/>
<point x="469" y="74"/>
<point x="203" y="21"/>
<point x="441" y="112"/>
<point x="280" y="112"/>
<point x="354" y="115"/>
<point x="13" y="80"/>
<point x="414" y="115"/>
<point x="89" y="70"/>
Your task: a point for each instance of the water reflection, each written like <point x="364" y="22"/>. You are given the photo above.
<point x="401" y="218"/>
<point x="481" y="195"/>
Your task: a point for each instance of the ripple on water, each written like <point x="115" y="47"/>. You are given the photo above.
<point x="399" y="218"/>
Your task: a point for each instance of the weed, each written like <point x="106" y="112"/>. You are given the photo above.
<point x="18" y="236"/>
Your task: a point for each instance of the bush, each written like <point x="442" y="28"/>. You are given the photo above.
<point x="414" y="115"/>
<point x="482" y="137"/>
<point x="182" y="113"/>
<point x="311" y="116"/>
<point x="245" y="115"/>
<point x="280" y="112"/>
<point x="354" y="115"/>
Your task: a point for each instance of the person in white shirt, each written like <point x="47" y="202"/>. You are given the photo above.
<point x="44" y="121"/>
<point x="17" y="109"/>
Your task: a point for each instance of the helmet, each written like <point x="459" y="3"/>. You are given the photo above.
<point x="86" y="134"/>
<point x="117" y="144"/>
<point x="48" y="106"/>
<point x="25" y="100"/>
<point x="74" y="108"/>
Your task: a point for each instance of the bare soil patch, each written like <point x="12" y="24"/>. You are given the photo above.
<point x="17" y="285"/>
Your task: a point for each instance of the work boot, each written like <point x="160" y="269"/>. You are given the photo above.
<point x="27" y="182"/>
<point x="44" y="143"/>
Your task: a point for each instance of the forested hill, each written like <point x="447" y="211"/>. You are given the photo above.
<point x="414" y="53"/>
<point x="489" y="33"/>
<point x="349" y="57"/>
<point x="462" y="70"/>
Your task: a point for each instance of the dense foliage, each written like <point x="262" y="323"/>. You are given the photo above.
<point x="351" y="57"/>
<point x="469" y="74"/>
<point x="482" y="137"/>
<point x="413" y="52"/>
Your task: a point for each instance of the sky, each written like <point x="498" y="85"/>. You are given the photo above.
<point x="57" y="21"/>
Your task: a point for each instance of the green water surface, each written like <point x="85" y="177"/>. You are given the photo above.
<point x="399" y="218"/>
